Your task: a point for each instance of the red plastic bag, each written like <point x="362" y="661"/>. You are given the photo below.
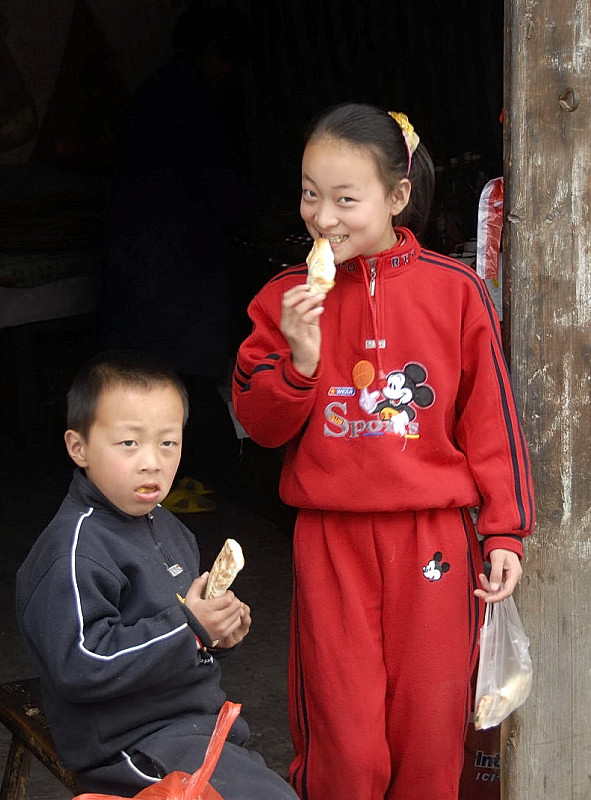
<point x="490" y="226"/>
<point x="182" y="785"/>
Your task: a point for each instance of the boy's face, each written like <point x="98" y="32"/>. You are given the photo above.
<point x="134" y="445"/>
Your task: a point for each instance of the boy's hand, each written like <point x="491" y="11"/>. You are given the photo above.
<point x="300" y="313"/>
<point x="225" y="618"/>
<point x="240" y="632"/>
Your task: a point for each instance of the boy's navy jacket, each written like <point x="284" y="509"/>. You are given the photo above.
<point x="120" y="658"/>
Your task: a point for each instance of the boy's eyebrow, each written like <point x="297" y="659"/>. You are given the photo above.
<point x="132" y="427"/>
<point x="129" y="426"/>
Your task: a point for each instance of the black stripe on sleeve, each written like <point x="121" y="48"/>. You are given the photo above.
<point x="512" y="442"/>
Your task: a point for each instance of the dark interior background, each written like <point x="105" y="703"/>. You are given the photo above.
<point x="441" y="63"/>
<point x="68" y="72"/>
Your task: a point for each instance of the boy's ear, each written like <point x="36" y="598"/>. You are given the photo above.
<point x="76" y="447"/>
<point x="400" y="196"/>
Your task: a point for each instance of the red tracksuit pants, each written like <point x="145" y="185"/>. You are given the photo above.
<point x="384" y="641"/>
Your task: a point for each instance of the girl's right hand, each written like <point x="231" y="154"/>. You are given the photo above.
<point x="300" y="315"/>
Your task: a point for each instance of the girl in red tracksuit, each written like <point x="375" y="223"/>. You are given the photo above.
<point x="392" y="397"/>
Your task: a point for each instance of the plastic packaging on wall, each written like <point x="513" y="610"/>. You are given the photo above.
<point x="489" y="230"/>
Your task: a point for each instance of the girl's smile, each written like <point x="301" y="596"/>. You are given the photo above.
<point x="345" y="201"/>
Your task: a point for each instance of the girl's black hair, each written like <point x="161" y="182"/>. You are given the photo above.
<point x="116" y="368"/>
<point x="371" y="127"/>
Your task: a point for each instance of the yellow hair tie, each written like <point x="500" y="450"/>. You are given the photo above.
<point x="412" y="138"/>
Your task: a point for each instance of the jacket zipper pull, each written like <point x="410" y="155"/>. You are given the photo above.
<point x="372" y="279"/>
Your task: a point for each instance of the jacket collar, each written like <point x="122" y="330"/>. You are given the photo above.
<point x="392" y="261"/>
<point x="87" y="494"/>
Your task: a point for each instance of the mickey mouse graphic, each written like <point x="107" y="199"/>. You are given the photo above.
<point x="403" y="390"/>
<point x="436" y="568"/>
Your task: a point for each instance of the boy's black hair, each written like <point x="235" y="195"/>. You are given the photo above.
<point x="364" y="125"/>
<point x="116" y="368"/>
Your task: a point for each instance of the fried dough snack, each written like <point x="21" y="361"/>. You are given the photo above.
<point x="494" y="708"/>
<point x="227" y="565"/>
<point x="321" y="267"/>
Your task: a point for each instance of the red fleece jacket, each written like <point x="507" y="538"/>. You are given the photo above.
<point x="437" y="427"/>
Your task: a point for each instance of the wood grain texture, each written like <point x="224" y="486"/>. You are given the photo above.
<point x="547" y="244"/>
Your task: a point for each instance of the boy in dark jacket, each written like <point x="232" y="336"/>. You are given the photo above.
<point x="130" y="679"/>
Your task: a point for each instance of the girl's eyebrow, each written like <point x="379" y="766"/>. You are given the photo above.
<point x="339" y="186"/>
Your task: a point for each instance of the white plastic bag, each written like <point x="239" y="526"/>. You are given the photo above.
<point x="505" y="669"/>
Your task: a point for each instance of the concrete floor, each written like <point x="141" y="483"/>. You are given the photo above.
<point x="34" y="474"/>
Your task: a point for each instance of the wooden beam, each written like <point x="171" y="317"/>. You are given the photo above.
<point x="547" y="262"/>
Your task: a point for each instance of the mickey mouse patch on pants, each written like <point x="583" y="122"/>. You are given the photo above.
<point x="436" y="568"/>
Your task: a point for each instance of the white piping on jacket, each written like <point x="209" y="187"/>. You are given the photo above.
<point x="80" y="615"/>
<point x="137" y="771"/>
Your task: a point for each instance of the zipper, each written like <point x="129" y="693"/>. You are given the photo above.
<point x="168" y="561"/>
<point x="370" y="288"/>
<point x="372" y="279"/>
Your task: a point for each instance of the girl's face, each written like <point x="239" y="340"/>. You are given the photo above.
<point x="344" y="200"/>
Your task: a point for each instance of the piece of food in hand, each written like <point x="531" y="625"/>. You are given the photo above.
<point x="227" y="565"/>
<point x="321" y="267"/>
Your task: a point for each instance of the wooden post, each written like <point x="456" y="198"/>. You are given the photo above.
<point x="547" y="258"/>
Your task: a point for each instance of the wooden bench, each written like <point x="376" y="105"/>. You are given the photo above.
<point x="21" y="713"/>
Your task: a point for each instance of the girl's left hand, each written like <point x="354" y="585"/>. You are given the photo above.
<point x="505" y="574"/>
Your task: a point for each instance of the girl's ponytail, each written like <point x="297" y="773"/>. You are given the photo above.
<point x="422" y="178"/>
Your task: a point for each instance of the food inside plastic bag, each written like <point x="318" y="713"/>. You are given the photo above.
<point x="505" y="668"/>
<point x="180" y="785"/>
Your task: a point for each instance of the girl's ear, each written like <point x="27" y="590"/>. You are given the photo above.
<point x="76" y="447"/>
<point x="399" y="197"/>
